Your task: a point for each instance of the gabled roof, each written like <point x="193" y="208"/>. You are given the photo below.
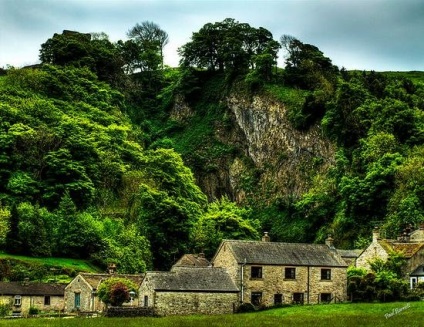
<point x="349" y="253"/>
<point x="409" y="249"/>
<point x="418" y="272"/>
<point x="94" y="280"/>
<point x="192" y="260"/>
<point x="42" y="289"/>
<point x="192" y="280"/>
<point x="278" y="253"/>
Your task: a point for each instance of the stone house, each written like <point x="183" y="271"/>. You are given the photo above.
<point x="271" y="273"/>
<point x="192" y="260"/>
<point x="410" y="244"/>
<point x="189" y="290"/>
<point x="25" y="295"/>
<point x="81" y="292"/>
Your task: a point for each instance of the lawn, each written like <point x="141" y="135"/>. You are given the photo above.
<point x="76" y="264"/>
<point x="397" y="314"/>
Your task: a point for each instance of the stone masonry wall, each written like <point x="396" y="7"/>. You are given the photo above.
<point x="88" y="302"/>
<point x="273" y="282"/>
<point x="372" y="252"/>
<point x="186" y="303"/>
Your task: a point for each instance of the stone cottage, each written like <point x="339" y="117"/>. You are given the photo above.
<point x="271" y="273"/>
<point x="192" y="260"/>
<point x="81" y="292"/>
<point x="410" y="244"/>
<point x="23" y="295"/>
<point x="189" y="290"/>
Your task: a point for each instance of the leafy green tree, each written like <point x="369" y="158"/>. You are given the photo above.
<point x="223" y="219"/>
<point x="230" y="45"/>
<point x="151" y="40"/>
<point x="307" y="67"/>
<point x="115" y="291"/>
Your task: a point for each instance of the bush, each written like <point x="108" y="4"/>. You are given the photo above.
<point x="246" y="307"/>
<point x="34" y="311"/>
<point x="4" y="309"/>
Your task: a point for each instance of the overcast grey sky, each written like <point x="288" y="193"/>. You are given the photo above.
<point x="376" y="35"/>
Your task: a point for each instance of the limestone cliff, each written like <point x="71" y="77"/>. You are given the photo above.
<point x="273" y="158"/>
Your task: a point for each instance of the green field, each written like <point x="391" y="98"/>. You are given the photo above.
<point x="407" y="314"/>
<point x="75" y="264"/>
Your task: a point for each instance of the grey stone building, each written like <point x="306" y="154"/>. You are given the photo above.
<point x="81" y="292"/>
<point x="270" y="273"/>
<point x="189" y="290"/>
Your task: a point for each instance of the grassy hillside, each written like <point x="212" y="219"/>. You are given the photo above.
<point x="387" y="314"/>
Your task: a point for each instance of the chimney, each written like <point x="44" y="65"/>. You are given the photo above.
<point x="266" y="237"/>
<point x="329" y="241"/>
<point x="111" y="268"/>
<point x="201" y="255"/>
<point x="375" y="234"/>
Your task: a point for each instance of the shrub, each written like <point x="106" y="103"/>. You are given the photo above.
<point x="33" y="311"/>
<point x="4" y="309"/>
<point x="246" y="307"/>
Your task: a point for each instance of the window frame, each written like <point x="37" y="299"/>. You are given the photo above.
<point x="17" y="301"/>
<point x="256" y="298"/>
<point x="290" y="273"/>
<point x="322" y="300"/>
<point x="47" y="300"/>
<point x="325" y="274"/>
<point x="256" y="272"/>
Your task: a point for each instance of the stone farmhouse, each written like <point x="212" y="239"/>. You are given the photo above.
<point x="189" y="290"/>
<point x="410" y="244"/>
<point x="23" y="295"/>
<point x="270" y="273"/>
<point x="81" y="292"/>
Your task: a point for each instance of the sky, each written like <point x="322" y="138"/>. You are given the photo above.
<point x="380" y="35"/>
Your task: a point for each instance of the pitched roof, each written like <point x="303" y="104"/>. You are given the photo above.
<point x="94" y="280"/>
<point x="409" y="249"/>
<point x="192" y="280"/>
<point x="20" y="288"/>
<point x="278" y="253"/>
<point x="418" y="272"/>
<point x="192" y="260"/>
<point x="349" y="253"/>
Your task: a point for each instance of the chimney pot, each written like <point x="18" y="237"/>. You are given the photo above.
<point x="329" y="241"/>
<point x="266" y="237"/>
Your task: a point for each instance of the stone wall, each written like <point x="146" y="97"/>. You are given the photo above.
<point x="88" y="300"/>
<point x="56" y="303"/>
<point x="307" y="282"/>
<point x="187" y="303"/>
<point x="372" y="252"/>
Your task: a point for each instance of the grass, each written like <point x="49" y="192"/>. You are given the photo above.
<point x="75" y="264"/>
<point x="375" y="314"/>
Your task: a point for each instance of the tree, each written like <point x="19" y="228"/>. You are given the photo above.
<point x="230" y="45"/>
<point x="222" y="220"/>
<point x="115" y="291"/>
<point x="151" y="40"/>
<point x="307" y="67"/>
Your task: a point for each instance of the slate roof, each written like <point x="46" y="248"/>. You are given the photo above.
<point x="408" y="249"/>
<point x="418" y="272"/>
<point x="192" y="260"/>
<point x="94" y="280"/>
<point x="349" y="253"/>
<point x="192" y="280"/>
<point x="42" y="289"/>
<point x="278" y="253"/>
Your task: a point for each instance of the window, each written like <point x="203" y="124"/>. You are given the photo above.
<point x="256" y="298"/>
<point x="325" y="274"/>
<point x="290" y="273"/>
<point x="77" y="300"/>
<point x="278" y="299"/>
<point x="17" y="301"/>
<point x="298" y="298"/>
<point x="325" y="297"/>
<point x="146" y="301"/>
<point x="47" y="300"/>
<point x="256" y="272"/>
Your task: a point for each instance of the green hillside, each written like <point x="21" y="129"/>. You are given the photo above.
<point x="107" y="156"/>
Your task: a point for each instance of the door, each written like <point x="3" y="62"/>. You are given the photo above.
<point x="77" y="300"/>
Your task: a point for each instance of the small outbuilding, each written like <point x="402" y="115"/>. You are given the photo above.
<point x="189" y="290"/>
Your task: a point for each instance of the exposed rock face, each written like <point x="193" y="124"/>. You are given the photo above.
<point x="279" y="160"/>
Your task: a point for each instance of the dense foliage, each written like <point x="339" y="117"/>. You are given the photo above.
<point x="115" y="291"/>
<point x="94" y="164"/>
